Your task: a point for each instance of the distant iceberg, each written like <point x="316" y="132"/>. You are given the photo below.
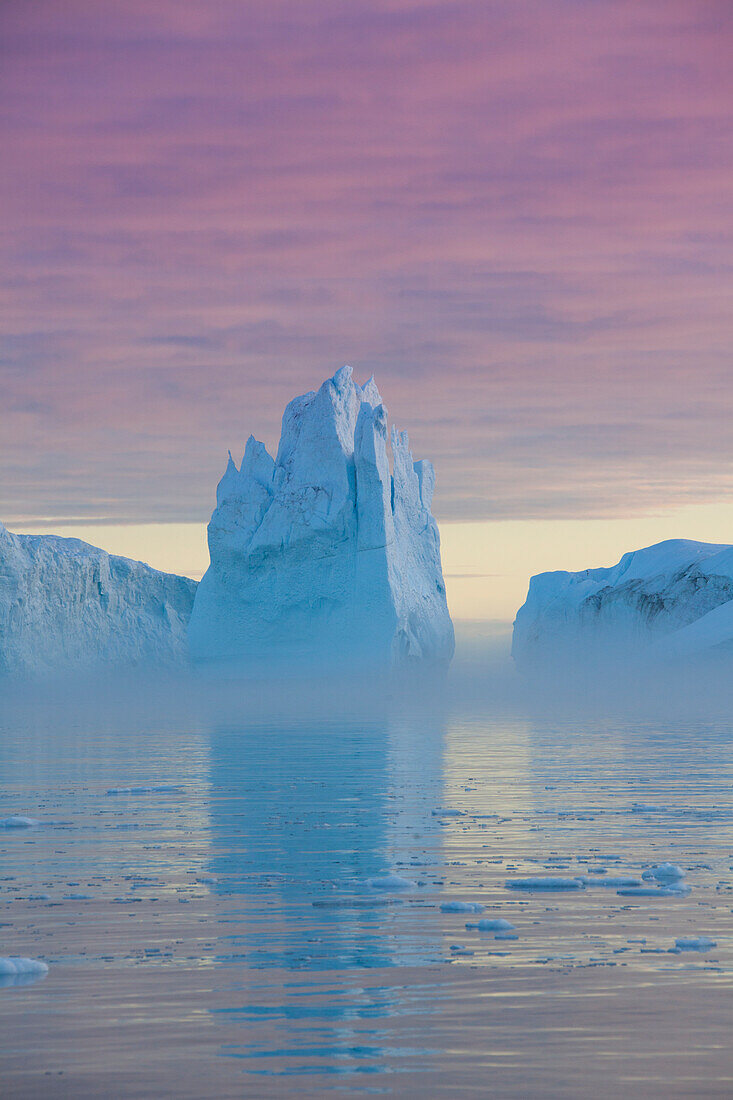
<point x="322" y="554"/>
<point x="672" y="600"/>
<point x="65" y="605"/>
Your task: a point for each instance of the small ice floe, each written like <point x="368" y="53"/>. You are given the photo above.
<point x="448" y="813"/>
<point x="459" y="949"/>
<point x="207" y="880"/>
<point x="674" y="890"/>
<point x="491" y="924"/>
<point x="17" y="821"/>
<point x="664" y="873"/>
<point x="546" y="883"/>
<point x="612" y="882"/>
<point x="506" y="936"/>
<point x="693" y="943"/>
<point x="390" y="882"/>
<point x="19" y="970"/>
<point x="161" y="788"/>
<point x="461" y="907"/>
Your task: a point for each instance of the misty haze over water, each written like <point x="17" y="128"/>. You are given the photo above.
<point x="262" y="884"/>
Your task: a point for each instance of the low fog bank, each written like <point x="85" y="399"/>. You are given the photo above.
<point x="482" y="679"/>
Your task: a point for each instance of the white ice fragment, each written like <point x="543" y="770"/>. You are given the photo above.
<point x="674" y="890"/>
<point x="547" y="883"/>
<point x="694" y="943"/>
<point x="461" y="907"/>
<point x="390" y="882"/>
<point x="17" y="821"/>
<point x="610" y="881"/>
<point x="492" y="924"/>
<point x="664" y="872"/>
<point x="17" y="965"/>
<point x="162" y="788"/>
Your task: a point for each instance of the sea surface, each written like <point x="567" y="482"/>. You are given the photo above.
<point x="255" y="890"/>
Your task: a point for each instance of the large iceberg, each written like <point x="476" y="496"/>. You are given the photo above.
<point x="67" y="605"/>
<point x="674" y="599"/>
<point x="323" y="555"/>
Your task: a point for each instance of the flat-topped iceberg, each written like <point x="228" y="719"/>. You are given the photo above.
<point x="322" y="554"/>
<point x="65" y="605"/>
<point x="674" y="599"/>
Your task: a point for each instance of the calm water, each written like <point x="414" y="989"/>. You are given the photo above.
<point x="199" y="884"/>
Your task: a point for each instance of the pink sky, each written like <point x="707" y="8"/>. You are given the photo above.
<point x="517" y="213"/>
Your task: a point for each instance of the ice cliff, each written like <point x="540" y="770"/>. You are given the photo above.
<point x="674" y="599"/>
<point x="67" y="605"/>
<point x="322" y="554"/>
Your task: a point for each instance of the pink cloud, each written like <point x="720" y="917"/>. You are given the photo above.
<point x="518" y="214"/>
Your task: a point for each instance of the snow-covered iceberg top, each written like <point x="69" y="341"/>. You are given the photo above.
<point x="674" y="599"/>
<point x="66" y="605"/>
<point x="324" y="554"/>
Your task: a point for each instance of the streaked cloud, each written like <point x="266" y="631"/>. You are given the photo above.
<point x="516" y="213"/>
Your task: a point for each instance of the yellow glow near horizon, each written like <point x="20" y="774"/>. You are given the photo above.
<point x="487" y="565"/>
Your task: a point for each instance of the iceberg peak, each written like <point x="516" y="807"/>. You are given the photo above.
<point x="322" y="554"/>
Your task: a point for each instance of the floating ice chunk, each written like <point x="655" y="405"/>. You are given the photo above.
<point x="639" y="892"/>
<point x="675" y="890"/>
<point x="506" y="936"/>
<point x="19" y="970"/>
<point x="664" y="872"/>
<point x="547" y="883"/>
<point x="17" y="821"/>
<point x="611" y="882"/>
<point x="390" y="882"/>
<point x="163" y="788"/>
<point x="448" y="813"/>
<point x="461" y="907"/>
<point x="694" y="943"/>
<point x="492" y="924"/>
